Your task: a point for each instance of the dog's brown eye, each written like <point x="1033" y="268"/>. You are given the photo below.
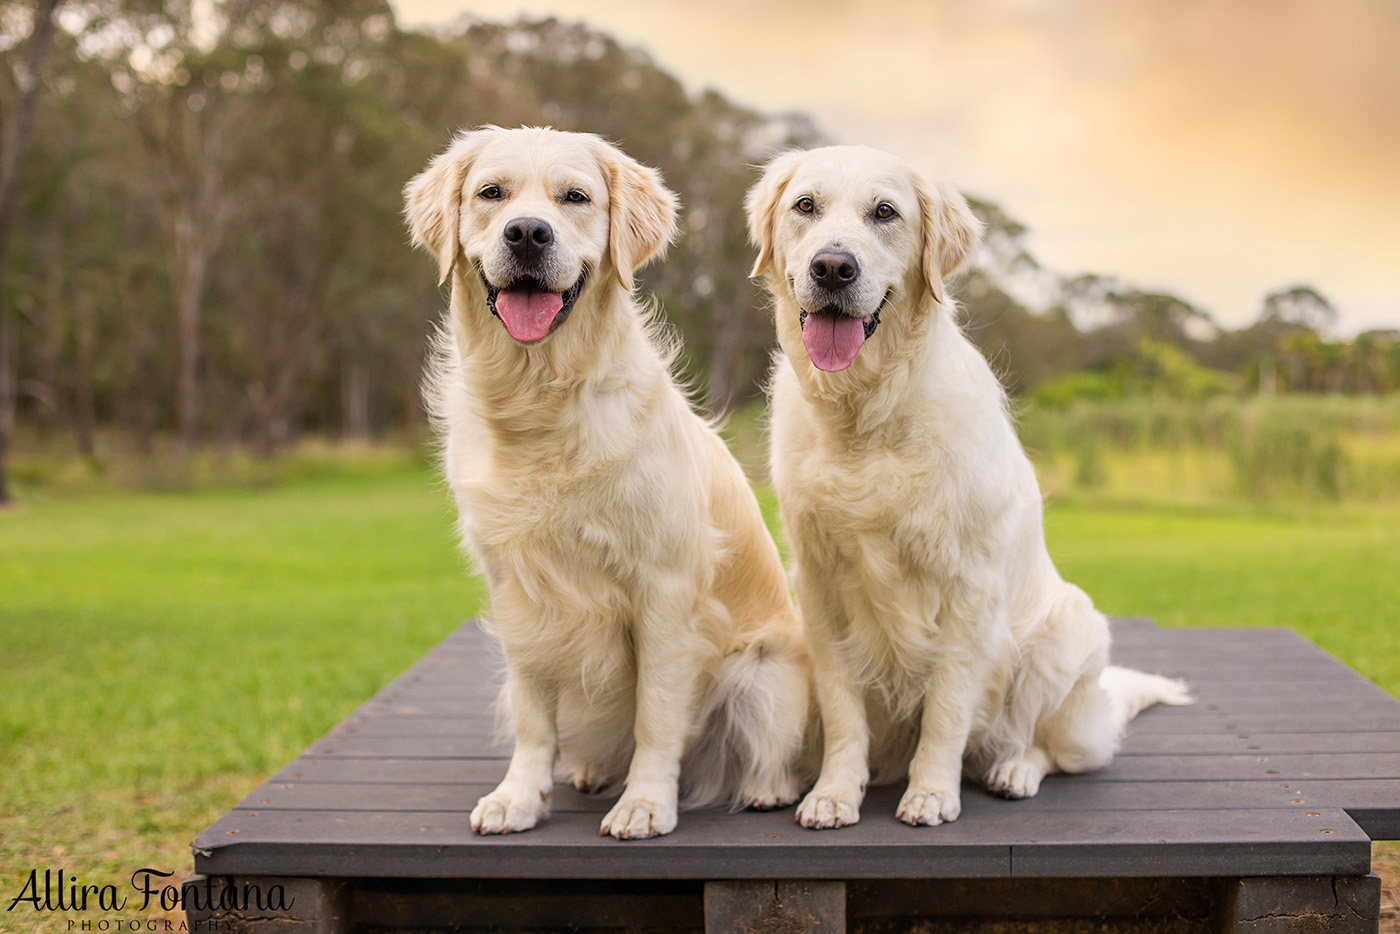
<point x="490" y="192"/>
<point x="576" y="197"/>
<point x="805" y="205"/>
<point x="884" y="211"/>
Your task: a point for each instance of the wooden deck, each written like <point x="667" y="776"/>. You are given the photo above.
<point x="1254" y="809"/>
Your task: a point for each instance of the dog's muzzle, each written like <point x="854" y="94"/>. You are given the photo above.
<point x="833" y="337"/>
<point x="528" y="308"/>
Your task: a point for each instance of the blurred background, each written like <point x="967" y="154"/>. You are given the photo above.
<point x="224" y="529"/>
<point x="202" y="243"/>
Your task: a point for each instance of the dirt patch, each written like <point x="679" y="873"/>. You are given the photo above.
<point x="1385" y="862"/>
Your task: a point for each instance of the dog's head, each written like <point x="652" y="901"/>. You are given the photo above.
<point x="530" y="220"/>
<point x="855" y="237"/>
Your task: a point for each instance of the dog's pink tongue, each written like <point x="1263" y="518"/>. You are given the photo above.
<point x="832" y="339"/>
<point x="528" y="315"/>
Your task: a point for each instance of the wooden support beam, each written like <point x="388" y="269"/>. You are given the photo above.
<point x="775" y="907"/>
<point x="266" y="904"/>
<point x="1301" y="905"/>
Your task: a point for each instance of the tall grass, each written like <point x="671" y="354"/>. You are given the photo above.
<point x="1258" y="449"/>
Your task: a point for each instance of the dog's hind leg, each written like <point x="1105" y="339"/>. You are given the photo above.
<point x="1083" y="734"/>
<point x="1056" y="716"/>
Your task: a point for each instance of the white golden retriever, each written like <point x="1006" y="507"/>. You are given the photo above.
<point x="641" y="604"/>
<point x="943" y="635"/>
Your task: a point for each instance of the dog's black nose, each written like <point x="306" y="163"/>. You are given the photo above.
<point x="835" y="269"/>
<point x="528" y="237"/>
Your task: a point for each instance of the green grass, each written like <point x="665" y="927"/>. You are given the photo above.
<point x="163" y="652"/>
<point x="1329" y="573"/>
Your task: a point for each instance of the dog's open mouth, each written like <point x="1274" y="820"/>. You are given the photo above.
<point x="833" y="338"/>
<point x="528" y="309"/>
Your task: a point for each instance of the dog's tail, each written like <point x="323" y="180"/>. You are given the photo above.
<point x="1130" y="692"/>
<point x="753" y="731"/>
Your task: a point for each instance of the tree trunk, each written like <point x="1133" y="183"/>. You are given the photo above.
<point x="354" y="399"/>
<point x="193" y="270"/>
<point x="84" y="351"/>
<point x="16" y="144"/>
<point x="7" y="402"/>
<point x="200" y="214"/>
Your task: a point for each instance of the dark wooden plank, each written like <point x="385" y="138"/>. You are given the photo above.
<point x="482" y="730"/>
<point x="1232" y="674"/>
<point x="1170" y="721"/>
<point x="1179" y="843"/>
<point x="1191" y="636"/>
<point x="1214" y="666"/>
<point x="707" y="845"/>
<point x="1246" y="767"/>
<point x="751" y="845"/>
<point x="1220" y="679"/>
<point x="1370" y="802"/>
<point x="1254" y="697"/>
<point x="1125" y="767"/>
<point x="1263" y="743"/>
<point x="312" y="768"/>
<point x="1208" y="656"/>
<point x="455" y="747"/>
<point x="1336" y="688"/>
<point x="1058" y="794"/>
<point x="1158" y="720"/>
<point x="1362" y="696"/>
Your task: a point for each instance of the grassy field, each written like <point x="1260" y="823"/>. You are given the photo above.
<point x="165" y="651"/>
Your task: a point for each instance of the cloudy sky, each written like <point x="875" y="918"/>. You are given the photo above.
<point x="1216" y="148"/>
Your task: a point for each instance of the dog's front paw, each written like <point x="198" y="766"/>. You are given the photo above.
<point x="509" y="810"/>
<point x="636" y="817"/>
<point x="928" y="808"/>
<point x="829" y="807"/>
<point x="1015" y="778"/>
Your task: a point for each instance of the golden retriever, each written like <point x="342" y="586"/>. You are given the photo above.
<point x="942" y="634"/>
<point x="642" y="607"/>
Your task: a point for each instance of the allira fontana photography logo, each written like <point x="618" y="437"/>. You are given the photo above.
<point x="149" y="890"/>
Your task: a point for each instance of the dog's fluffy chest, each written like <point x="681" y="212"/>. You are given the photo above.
<point x="890" y="511"/>
<point x="556" y="525"/>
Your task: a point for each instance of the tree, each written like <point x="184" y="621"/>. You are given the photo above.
<point x="14" y="144"/>
<point x="1300" y="306"/>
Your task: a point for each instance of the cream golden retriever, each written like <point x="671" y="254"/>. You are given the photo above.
<point x="647" y="627"/>
<point x="942" y="634"/>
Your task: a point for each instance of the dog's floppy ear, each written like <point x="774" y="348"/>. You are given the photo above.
<point x="641" y="213"/>
<point x="433" y="203"/>
<point x="950" y="231"/>
<point x="762" y="207"/>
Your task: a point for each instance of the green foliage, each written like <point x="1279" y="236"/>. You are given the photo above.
<point x="1153" y="368"/>
<point x="1264" y="449"/>
<point x="1081" y="385"/>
